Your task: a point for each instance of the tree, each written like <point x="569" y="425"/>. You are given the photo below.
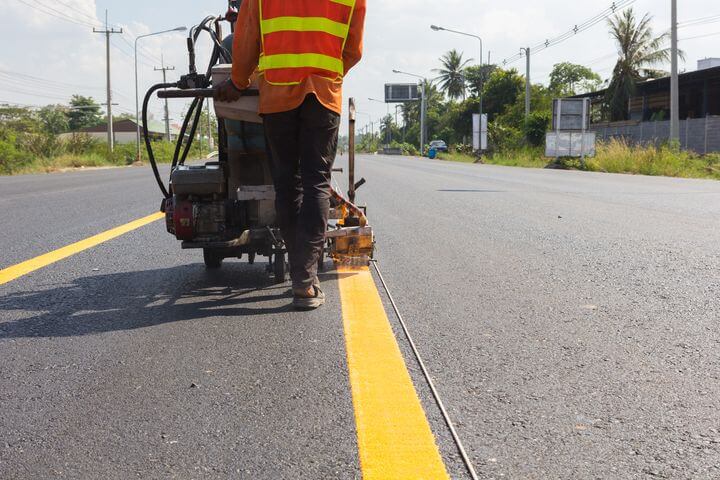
<point x="640" y="50"/>
<point x="411" y="114"/>
<point x="501" y="91"/>
<point x="388" y="129"/>
<point x="452" y="74"/>
<point x="18" y="119"/>
<point x="569" y="79"/>
<point x="477" y="76"/>
<point x="84" y="113"/>
<point x="54" y="119"/>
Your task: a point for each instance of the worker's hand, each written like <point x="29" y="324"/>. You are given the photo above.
<point x="226" y="92"/>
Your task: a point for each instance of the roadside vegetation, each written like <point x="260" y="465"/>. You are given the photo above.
<point x="515" y="140"/>
<point x="615" y="156"/>
<point x="32" y="140"/>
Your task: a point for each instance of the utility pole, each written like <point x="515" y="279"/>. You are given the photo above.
<point x="164" y="71"/>
<point x="528" y="86"/>
<point x="211" y="140"/>
<point x="107" y="32"/>
<point x="674" y="79"/>
<point x="423" y="107"/>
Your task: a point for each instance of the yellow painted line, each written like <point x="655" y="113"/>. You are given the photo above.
<point x="394" y="437"/>
<point x="11" y="273"/>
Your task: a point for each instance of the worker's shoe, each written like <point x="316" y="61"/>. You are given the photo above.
<point x="308" y="300"/>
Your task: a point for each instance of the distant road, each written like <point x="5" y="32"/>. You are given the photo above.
<point x="569" y="319"/>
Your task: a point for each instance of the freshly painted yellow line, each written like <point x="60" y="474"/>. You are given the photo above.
<point x="11" y="273"/>
<point x="394" y="436"/>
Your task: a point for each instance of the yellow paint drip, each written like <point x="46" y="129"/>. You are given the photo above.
<point x="11" y="273"/>
<point x="394" y="437"/>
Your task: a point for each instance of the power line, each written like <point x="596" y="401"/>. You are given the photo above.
<point x="700" y="21"/>
<point x="581" y="27"/>
<point x="59" y="15"/>
<point x="141" y="50"/>
<point x="15" y="78"/>
<point x="130" y="55"/>
<point x="91" y="17"/>
<point x="32" y="78"/>
<point x="700" y="36"/>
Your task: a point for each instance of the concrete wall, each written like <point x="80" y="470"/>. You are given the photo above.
<point x="702" y="135"/>
<point x="120" y="137"/>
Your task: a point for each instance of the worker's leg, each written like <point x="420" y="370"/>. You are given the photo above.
<point x="283" y="132"/>
<point x="318" y="146"/>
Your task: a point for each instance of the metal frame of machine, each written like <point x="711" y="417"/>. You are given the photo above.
<point x="226" y="207"/>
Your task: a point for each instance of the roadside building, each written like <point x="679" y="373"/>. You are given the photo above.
<point x="125" y="131"/>
<point x="649" y="111"/>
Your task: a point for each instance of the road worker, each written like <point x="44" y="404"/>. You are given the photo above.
<point x="302" y="49"/>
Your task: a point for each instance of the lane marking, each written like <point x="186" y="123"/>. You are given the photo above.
<point x="11" y="273"/>
<point x="394" y="437"/>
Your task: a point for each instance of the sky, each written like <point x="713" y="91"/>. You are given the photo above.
<point x="45" y="59"/>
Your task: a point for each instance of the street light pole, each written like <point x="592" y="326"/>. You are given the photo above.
<point x="389" y="129"/>
<point x="480" y="64"/>
<point x="674" y="79"/>
<point x="137" y="101"/>
<point x="423" y="107"/>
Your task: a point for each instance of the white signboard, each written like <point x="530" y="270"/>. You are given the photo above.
<point x="480" y="132"/>
<point x="570" y="144"/>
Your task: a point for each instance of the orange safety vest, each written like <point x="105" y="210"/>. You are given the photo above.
<point x="301" y="38"/>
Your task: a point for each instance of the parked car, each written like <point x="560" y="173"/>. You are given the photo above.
<point x="439" y="146"/>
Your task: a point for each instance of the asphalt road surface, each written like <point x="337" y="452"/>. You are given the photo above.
<point x="569" y="320"/>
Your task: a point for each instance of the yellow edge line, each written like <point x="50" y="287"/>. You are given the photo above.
<point x="394" y="437"/>
<point x="11" y="273"/>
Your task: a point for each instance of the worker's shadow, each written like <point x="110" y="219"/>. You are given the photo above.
<point x="126" y="301"/>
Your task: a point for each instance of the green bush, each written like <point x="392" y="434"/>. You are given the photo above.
<point x="79" y="143"/>
<point x="535" y="127"/>
<point x="502" y="138"/>
<point x="462" y="148"/>
<point x="11" y="158"/>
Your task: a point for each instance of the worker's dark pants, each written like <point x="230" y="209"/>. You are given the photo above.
<point x="303" y="143"/>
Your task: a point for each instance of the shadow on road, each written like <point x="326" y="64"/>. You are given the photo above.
<point x="471" y="191"/>
<point x="132" y="300"/>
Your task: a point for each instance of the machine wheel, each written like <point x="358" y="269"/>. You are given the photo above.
<point x="279" y="267"/>
<point x="213" y="260"/>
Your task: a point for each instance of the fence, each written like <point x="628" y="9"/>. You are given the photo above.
<point x="701" y="135"/>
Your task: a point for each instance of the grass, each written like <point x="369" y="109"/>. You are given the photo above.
<point x="617" y="156"/>
<point x="457" y="157"/>
<point x="614" y="156"/>
<point x="123" y="155"/>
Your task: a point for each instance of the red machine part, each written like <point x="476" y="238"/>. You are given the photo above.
<point x="182" y="215"/>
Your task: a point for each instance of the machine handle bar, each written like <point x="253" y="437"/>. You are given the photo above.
<point x="200" y="93"/>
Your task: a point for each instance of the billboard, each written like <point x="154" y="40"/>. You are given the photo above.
<point x="570" y="144"/>
<point x="480" y="132"/>
<point x="401" y="92"/>
<point x="571" y="114"/>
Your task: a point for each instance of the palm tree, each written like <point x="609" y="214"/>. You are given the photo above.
<point x="452" y="75"/>
<point x="640" y="50"/>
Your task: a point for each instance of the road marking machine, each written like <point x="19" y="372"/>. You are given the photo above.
<point x="226" y="206"/>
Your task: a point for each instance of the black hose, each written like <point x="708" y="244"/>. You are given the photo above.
<point x="193" y="129"/>
<point x="195" y="111"/>
<point x="148" y="144"/>
<point x="183" y="130"/>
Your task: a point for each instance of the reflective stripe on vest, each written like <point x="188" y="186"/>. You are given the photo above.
<point x="301" y="38"/>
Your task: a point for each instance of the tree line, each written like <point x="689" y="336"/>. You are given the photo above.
<point x="453" y="95"/>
